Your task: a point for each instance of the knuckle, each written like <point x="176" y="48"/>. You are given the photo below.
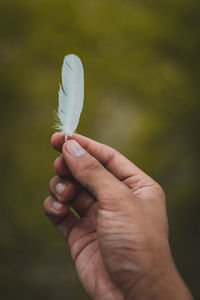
<point x="46" y="204"/>
<point x="159" y="190"/>
<point x="92" y="166"/>
<point x="48" y="209"/>
<point x="52" y="183"/>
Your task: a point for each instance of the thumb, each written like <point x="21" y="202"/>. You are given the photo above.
<point x="91" y="174"/>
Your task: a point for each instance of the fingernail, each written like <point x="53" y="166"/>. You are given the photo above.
<point x="56" y="204"/>
<point x="60" y="187"/>
<point x="74" y="148"/>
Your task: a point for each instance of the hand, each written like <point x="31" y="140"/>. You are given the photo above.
<point x="120" y="242"/>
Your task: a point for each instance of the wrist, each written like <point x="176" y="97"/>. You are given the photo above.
<point x="161" y="282"/>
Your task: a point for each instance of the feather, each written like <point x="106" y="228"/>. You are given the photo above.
<point x="71" y="94"/>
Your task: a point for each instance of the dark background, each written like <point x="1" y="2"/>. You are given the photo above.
<point x="142" y="89"/>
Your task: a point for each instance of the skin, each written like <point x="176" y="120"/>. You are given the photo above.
<point x="119" y="245"/>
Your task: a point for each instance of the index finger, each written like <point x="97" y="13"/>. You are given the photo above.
<point x="57" y="141"/>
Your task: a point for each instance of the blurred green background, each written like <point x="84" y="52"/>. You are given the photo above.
<point x="142" y="90"/>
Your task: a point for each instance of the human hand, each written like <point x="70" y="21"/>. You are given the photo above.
<point x="120" y="243"/>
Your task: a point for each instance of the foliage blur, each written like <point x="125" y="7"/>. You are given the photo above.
<point x="141" y="61"/>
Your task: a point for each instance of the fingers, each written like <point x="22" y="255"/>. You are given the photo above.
<point x="111" y="159"/>
<point x="63" y="189"/>
<point x="60" y="215"/>
<point x="90" y="173"/>
<point x="83" y="202"/>
<point x="61" y="168"/>
<point x="65" y="193"/>
<point x="57" y="140"/>
<point x="55" y="210"/>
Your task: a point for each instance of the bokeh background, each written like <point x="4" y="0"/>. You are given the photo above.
<point x="142" y="90"/>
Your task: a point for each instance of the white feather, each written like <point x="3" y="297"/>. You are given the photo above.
<point x="71" y="94"/>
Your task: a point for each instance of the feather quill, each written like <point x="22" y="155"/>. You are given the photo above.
<point x="71" y="94"/>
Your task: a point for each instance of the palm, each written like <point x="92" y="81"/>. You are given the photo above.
<point x="87" y="256"/>
<point x="84" y="243"/>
